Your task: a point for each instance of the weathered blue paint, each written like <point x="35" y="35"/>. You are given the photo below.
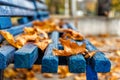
<point x="16" y="30"/>
<point x="5" y="22"/>
<point x="77" y="63"/>
<point x="49" y="61"/>
<point x="25" y="4"/>
<point x="91" y="74"/>
<point x="23" y="20"/>
<point x="26" y="56"/>
<point x="15" y="11"/>
<point x="6" y="55"/>
<point x="99" y="62"/>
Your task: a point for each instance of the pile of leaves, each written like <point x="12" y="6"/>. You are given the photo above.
<point x="38" y="35"/>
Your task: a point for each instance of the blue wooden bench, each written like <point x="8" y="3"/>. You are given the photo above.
<point x="29" y="54"/>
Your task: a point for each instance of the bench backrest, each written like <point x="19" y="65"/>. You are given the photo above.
<point x="28" y="10"/>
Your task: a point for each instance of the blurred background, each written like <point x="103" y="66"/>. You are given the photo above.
<point x="98" y="21"/>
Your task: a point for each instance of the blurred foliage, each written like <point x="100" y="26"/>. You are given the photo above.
<point x="55" y="6"/>
<point x="115" y="5"/>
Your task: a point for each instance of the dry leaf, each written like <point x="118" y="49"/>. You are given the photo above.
<point x="43" y="44"/>
<point x="72" y="34"/>
<point x="70" y="48"/>
<point x="90" y="54"/>
<point x="9" y="37"/>
<point x="47" y="75"/>
<point x="29" y="30"/>
<point x="47" y="26"/>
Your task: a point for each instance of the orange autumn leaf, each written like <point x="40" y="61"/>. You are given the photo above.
<point x="42" y="45"/>
<point x="46" y="26"/>
<point x="72" y="34"/>
<point x="29" y="30"/>
<point x="90" y="54"/>
<point x="70" y="48"/>
<point x="9" y="37"/>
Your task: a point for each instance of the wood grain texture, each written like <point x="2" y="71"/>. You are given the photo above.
<point x="3" y="21"/>
<point x="26" y="56"/>
<point x="16" y="30"/>
<point x="49" y="61"/>
<point x="6" y="55"/>
<point x="98" y="62"/>
<point x="18" y="3"/>
<point x="14" y="11"/>
<point x="76" y="63"/>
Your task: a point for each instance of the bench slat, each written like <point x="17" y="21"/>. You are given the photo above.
<point x="77" y="63"/>
<point x="49" y="61"/>
<point x="3" y="21"/>
<point x="14" y="11"/>
<point x="41" y="6"/>
<point x="26" y="56"/>
<point x="16" y="30"/>
<point x="6" y="55"/>
<point x="99" y="62"/>
<point x="18" y="3"/>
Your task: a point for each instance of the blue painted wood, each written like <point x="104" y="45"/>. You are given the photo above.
<point x="76" y="63"/>
<point x="18" y="3"/>
<point x="99" y="62"/>
<point x="23" y="20"/>
<point x="3" y="21"/>
<point x="49" y="61"/>
<point x="6" y="55"/>
<point x="41" y="6"/>
<point x="26" y="56"/>
<point x="70" y="25"/>
<point x="91" y="74"/>
<point x="16" y="30"/>
<point x="14" y="11"/>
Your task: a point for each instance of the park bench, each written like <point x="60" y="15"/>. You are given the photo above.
<point x="29" y="54"/>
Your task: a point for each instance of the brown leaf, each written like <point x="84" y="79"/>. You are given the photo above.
<point x="90" y="54"/>
<point x="47" y="75"/>
<point x="70" y="48"/>
<point x="72" y="34"/>
<point x="43" y="44"/>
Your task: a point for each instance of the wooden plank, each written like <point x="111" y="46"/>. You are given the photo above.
<point x="77" y="63"/>
<point x="18" y="3"/>
<point x="3" y="21"/>
<point x="49" y="61"/>
<point x="99" y="62"/>
<point x="26" y="56"/>
<point x="71" y="25"/>
<point x="6" y="55"/>
<point x="16" y="30"/>
<point x="41" y="6"/>
<point x="14" y="11"/>
<point x="43" y="15"/>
